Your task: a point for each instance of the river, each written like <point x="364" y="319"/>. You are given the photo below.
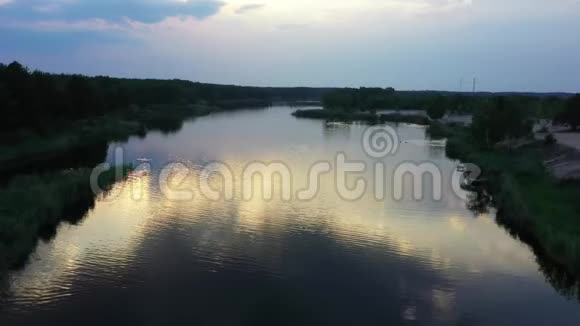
<point x="148" y="254"/>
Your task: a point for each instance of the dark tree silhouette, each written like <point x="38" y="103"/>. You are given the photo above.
<point x="437" y="107"/>
<point x="571" y="114"/>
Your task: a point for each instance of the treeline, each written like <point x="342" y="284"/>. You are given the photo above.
<point x="41" y="102"/>
<point x="513" y="117"/>
<point x="372" y="99"/>
<point x="506" y="118"/>
<point x="362" y="99"/>
<point x="36" y="100"/>
<point x="571" y="113"/>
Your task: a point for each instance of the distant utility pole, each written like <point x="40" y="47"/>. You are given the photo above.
<point x="461" y="85"/>
<point x="474" y="84"/>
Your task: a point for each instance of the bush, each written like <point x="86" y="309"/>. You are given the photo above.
<point x="505" y="118"/>
<point x="571" y="115"/>
<point x="437" y="108"/>
<point x="550" y="139"/>
<point x="33" y="205"/>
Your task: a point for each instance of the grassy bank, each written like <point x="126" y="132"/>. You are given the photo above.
<point x="532" y="204"/>
<point x="368" y="117"/>
<point x="33" y="206"/>
<point x="32" y="148"/>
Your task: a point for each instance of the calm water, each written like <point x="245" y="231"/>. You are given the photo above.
<point x="140" y="257"/>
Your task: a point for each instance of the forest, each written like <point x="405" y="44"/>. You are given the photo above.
<point x="547" y="105"/>
<point x="45" y="113"/>
<point x="39" y="101"/>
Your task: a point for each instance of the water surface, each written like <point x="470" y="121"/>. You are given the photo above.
<point x="140" y="257"/>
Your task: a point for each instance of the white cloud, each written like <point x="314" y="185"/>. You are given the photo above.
<point x="509" y="45"/>
<point x="148" y="11"/>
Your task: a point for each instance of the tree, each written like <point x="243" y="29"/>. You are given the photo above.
<point x="362" y="99"/>
<point x="16" y="78"/>
<point x="437" y="107"/>
<point x="571" y="114"/>
<point x="458" y="103"/>
<point x="82" y="96"/>
<point x="4" y="100"/>
<point x="504" y="118"/>
<point x="341" y="100"/>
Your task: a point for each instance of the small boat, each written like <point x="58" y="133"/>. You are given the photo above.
<point x="461" y="168"/>
<point x="143" y="160"/>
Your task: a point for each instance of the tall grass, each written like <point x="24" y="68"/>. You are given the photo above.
<point x="532" y="204"/>
<point x="34" y="148"/>
<point x="31" y="206"/>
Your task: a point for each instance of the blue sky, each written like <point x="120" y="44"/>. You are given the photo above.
<point x="516" y="45"/>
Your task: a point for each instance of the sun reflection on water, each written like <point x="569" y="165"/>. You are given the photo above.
<point x="424" y="252"/>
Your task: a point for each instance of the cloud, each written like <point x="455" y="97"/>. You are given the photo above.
<point x="145" y="11"/>
<point x="409" y="44"/>
<point x="54" y="39"/>
<point x="249" y="7"/>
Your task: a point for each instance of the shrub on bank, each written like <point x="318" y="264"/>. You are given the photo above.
<point x="35" y="205"/>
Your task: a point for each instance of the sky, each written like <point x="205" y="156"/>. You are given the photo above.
<point x="514" y="45"/>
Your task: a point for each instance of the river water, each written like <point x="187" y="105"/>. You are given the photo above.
<point x="148" y="254"/>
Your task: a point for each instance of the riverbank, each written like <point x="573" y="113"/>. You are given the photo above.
<point x="35" y="199"/>
<point x="33" y="206"/>
<point x="532" y="204"/>
<point x="368" y="117"/>
<point x="32" y="149"/>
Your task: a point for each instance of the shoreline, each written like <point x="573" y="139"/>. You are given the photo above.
<point x="532" y="205"/>
<point x="37" y="196"/>
<point x="35" y="205"/>
<point x="511" y="191"/>
<point x="79" y="135"/>
<point x="369" y="117"/>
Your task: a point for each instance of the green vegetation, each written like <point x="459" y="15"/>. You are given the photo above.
<point x="335" y="115"/>
<point x="417" y="119"/>
<point x="45" y="115"/>
<point x="437" y="108"/>
<point x="571" y="114"/>
<point x="363" y="99"/>
<point x="505" y="119"/>
<point x="48" y="118"/>
<point x="439" y="130"/>
<point x="438" y="103"/>
<point x="34" y="148"/>
<point x="32" y="206"/>
<point x="530" y="201"/>
<point x="371" y="118"/>
<point x="37" y="102"/>
<point x="532" y="204"/>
